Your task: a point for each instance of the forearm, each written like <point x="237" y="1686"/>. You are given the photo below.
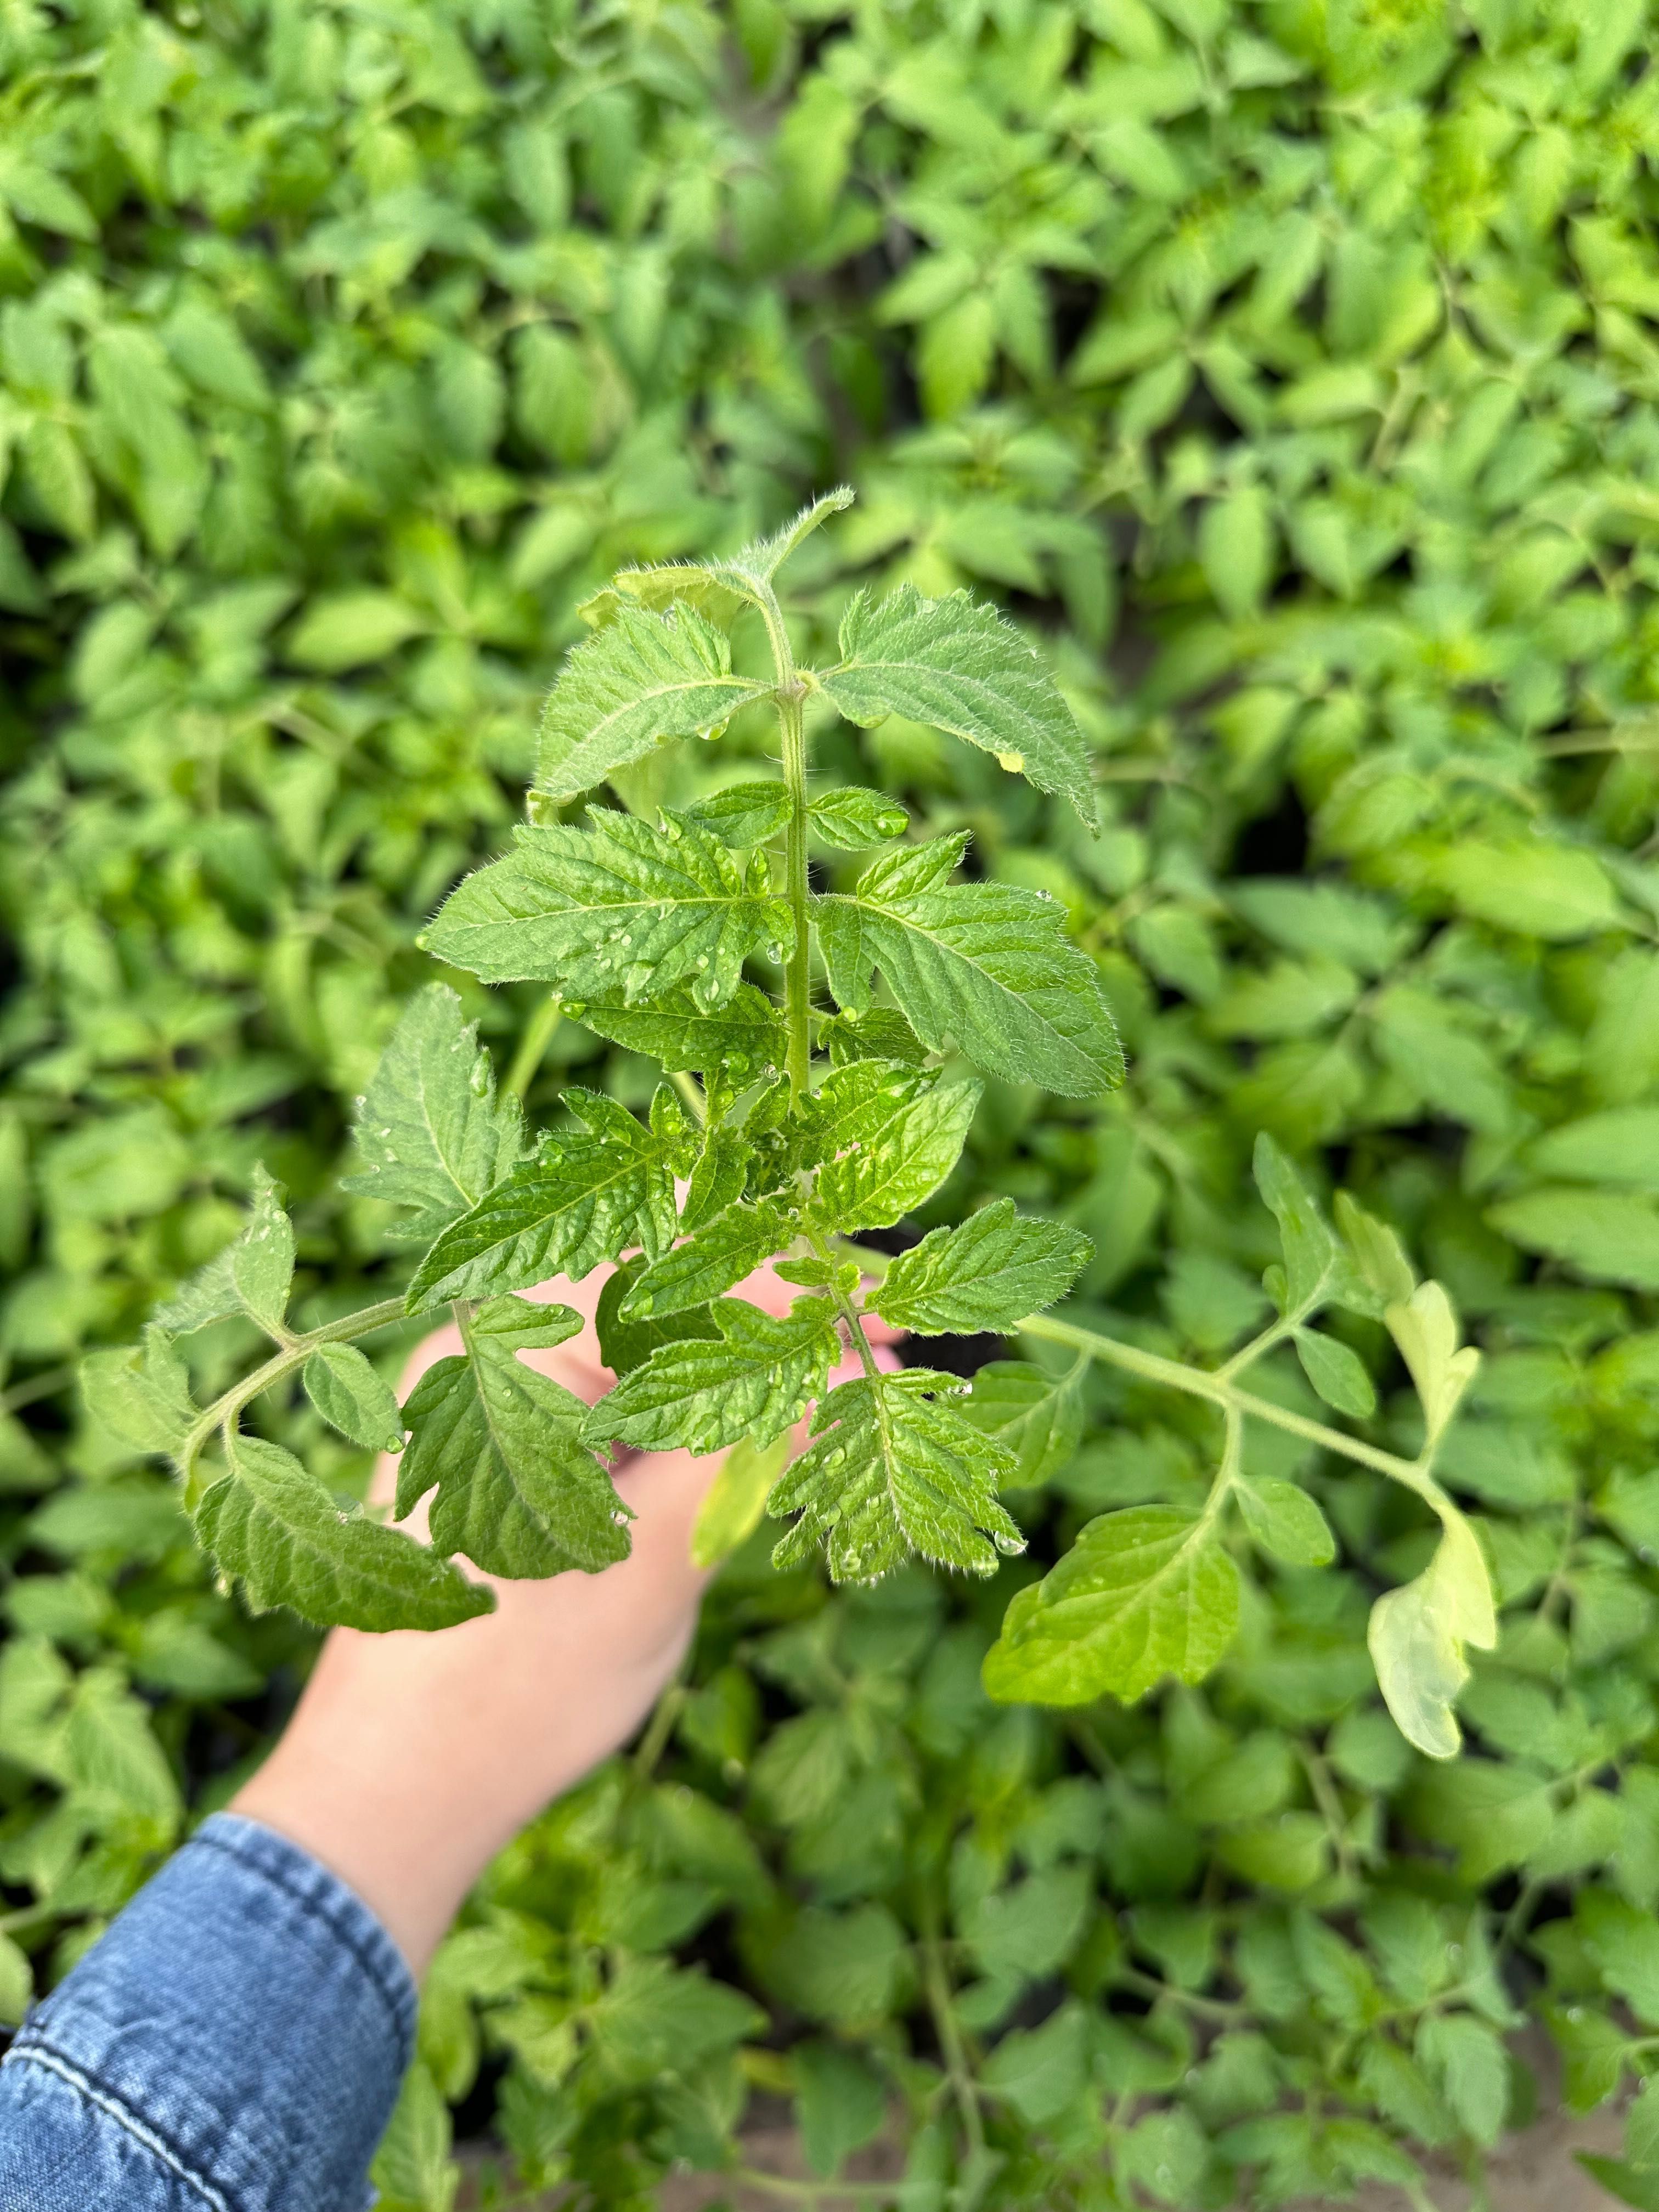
<point x="197" y="2056"/>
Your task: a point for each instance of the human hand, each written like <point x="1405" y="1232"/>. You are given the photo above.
<point x="411" y="1759"/>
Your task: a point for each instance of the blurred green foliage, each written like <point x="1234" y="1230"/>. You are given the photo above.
<point x="1291" y="366"/>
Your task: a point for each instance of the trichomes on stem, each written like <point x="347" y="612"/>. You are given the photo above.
<point x="789" y="1121"/>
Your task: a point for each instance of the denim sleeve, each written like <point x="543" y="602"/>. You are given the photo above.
<point x="234" y="2041"/>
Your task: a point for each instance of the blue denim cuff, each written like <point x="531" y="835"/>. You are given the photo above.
<point x="246" y="2018"/>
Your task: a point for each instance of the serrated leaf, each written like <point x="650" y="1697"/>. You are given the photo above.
<point x="758" y="1378"/>
<point x="719" y="588"/>
<point x="141" y="1392"/>
<point x="878" y="1033"/>
<point x="956" y="664"/>
<point x="987" y="963"/>
<point x="852" y="818"/>
<point x="430" y="1131"/>
<point x="1417" y="1638"/>
<point x="1425" y="1329"/>
<point x="905" y="1140"/>
<point x="1144" y="1593"/>
<point x="742" y="814"/>
<point x="644" y="678"/>
<point x="626" y="1345"/>
<point x="1035" y="1417"/>
<point x="709" y="1262"/>
<point x="895" y="1468"/>
<point x="276" y="1528"/>
<point x="1309" y="1248"/>
<point x="734" y="1505"/>
<point x="741" y="1039"/>
<point x="518" y="1492"/>
<point x="587" y="1196"/>
<point x="1471" y="2066"/>
<point x="1337" y="1372"/>
<point x="1286" y="1521"/>
<point x="352" y="1398"/>
<point x="616" y="907"/>
<point x="988" y="1273"/>
<point x="262" y="1258"/>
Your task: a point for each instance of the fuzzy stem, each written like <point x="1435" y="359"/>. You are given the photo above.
<point x="293" y="1355"/>
<point x="797" y="978"/>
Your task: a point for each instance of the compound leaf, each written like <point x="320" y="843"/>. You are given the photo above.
<point x="988" y="1273"/>
<point x="618" y="907"/>
<point x="430" y="1130"/>
<point x="586" y="1196"/>
<point x="277" y="1529"/>
<point x="518" y="1492"/>
<point x="642" y="678"/>
<point x="957" y="664"/>
<point x="895" y="1468"/>
<point x="988" y="964"/>
<point x="758" y="1378"/>
<point x="1145" y="1592"/>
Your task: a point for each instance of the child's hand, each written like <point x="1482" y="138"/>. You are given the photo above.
<point x="412" y="1758"/>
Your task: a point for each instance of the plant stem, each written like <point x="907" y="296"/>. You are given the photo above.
<point x="532" y="1048"/>
<point x="1207" y="1382"/>
<point x="293" y="1355"/>
<point x="958" y="2070"/>
<point x="812" y="2192"/>
<point x="797" y="977"/>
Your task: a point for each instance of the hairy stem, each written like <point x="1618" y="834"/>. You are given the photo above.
<point x="532" y="1048"/>
<point x="292" y="1356"/>
<point x="797" y="978"/>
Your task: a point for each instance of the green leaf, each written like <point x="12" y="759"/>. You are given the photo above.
<point x="891" y="1151"/>
<point x="430" y="1131"/>
<point x="262" y="1258"/>
<point x="1642" y="2129"/>
<point x="1337" y="1372"/>
<point x="1029" y="1414"/>
<point x="352" y="1398"/>
<point x="1236" y="549"/>
<point x="721" y="1253"/>
<point x="1631" y="2185"/>
<point x="619" y="906"/>
<point x="626" y="1345"/>
<point x="413" y="2171"/>
<point x="1417" y="1638"/>
<point x="958" y="665"/>
<point x="1425" y="1329"/>
<point x="16" y="1982"/>
<point x="1608" y="1236"/>
<point x="734" y="1505"/>
<point x="986" y="963"/>
<point x="1382" y="1275"/>
<point x="276" y="1528"/>
<point x="1309" y="1248"/>
<point x="852" y="818"/>
<point x="895" y="1468"/>
<point x="141" y="1392"/>
<point x="1622" y="1146"/>
<point x="741" y="814"/>
<point x="741" y="1039"/>
<point x="1471" y="2068"/>
<point x="878" y="1033"/>
<point x="518" y="1493"/>
<point x="585" y="1196"/>
<point x="989" y="1273"/>
<point x="644" y="678"/>
<point x="1286" y="1521"/>
<point x="351" y="627"/>
<point x="754" y="1381"/>
<point x="841" y="2102"/>
<point x="1143" y="1592"/>
<point x="719" y="587"/>
<point x="1557" y="892"/>
<point x="656" y="2019"/>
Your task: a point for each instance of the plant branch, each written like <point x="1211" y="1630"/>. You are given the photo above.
<point x="798" y="974"/>
<point x="222" y="1413"/>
